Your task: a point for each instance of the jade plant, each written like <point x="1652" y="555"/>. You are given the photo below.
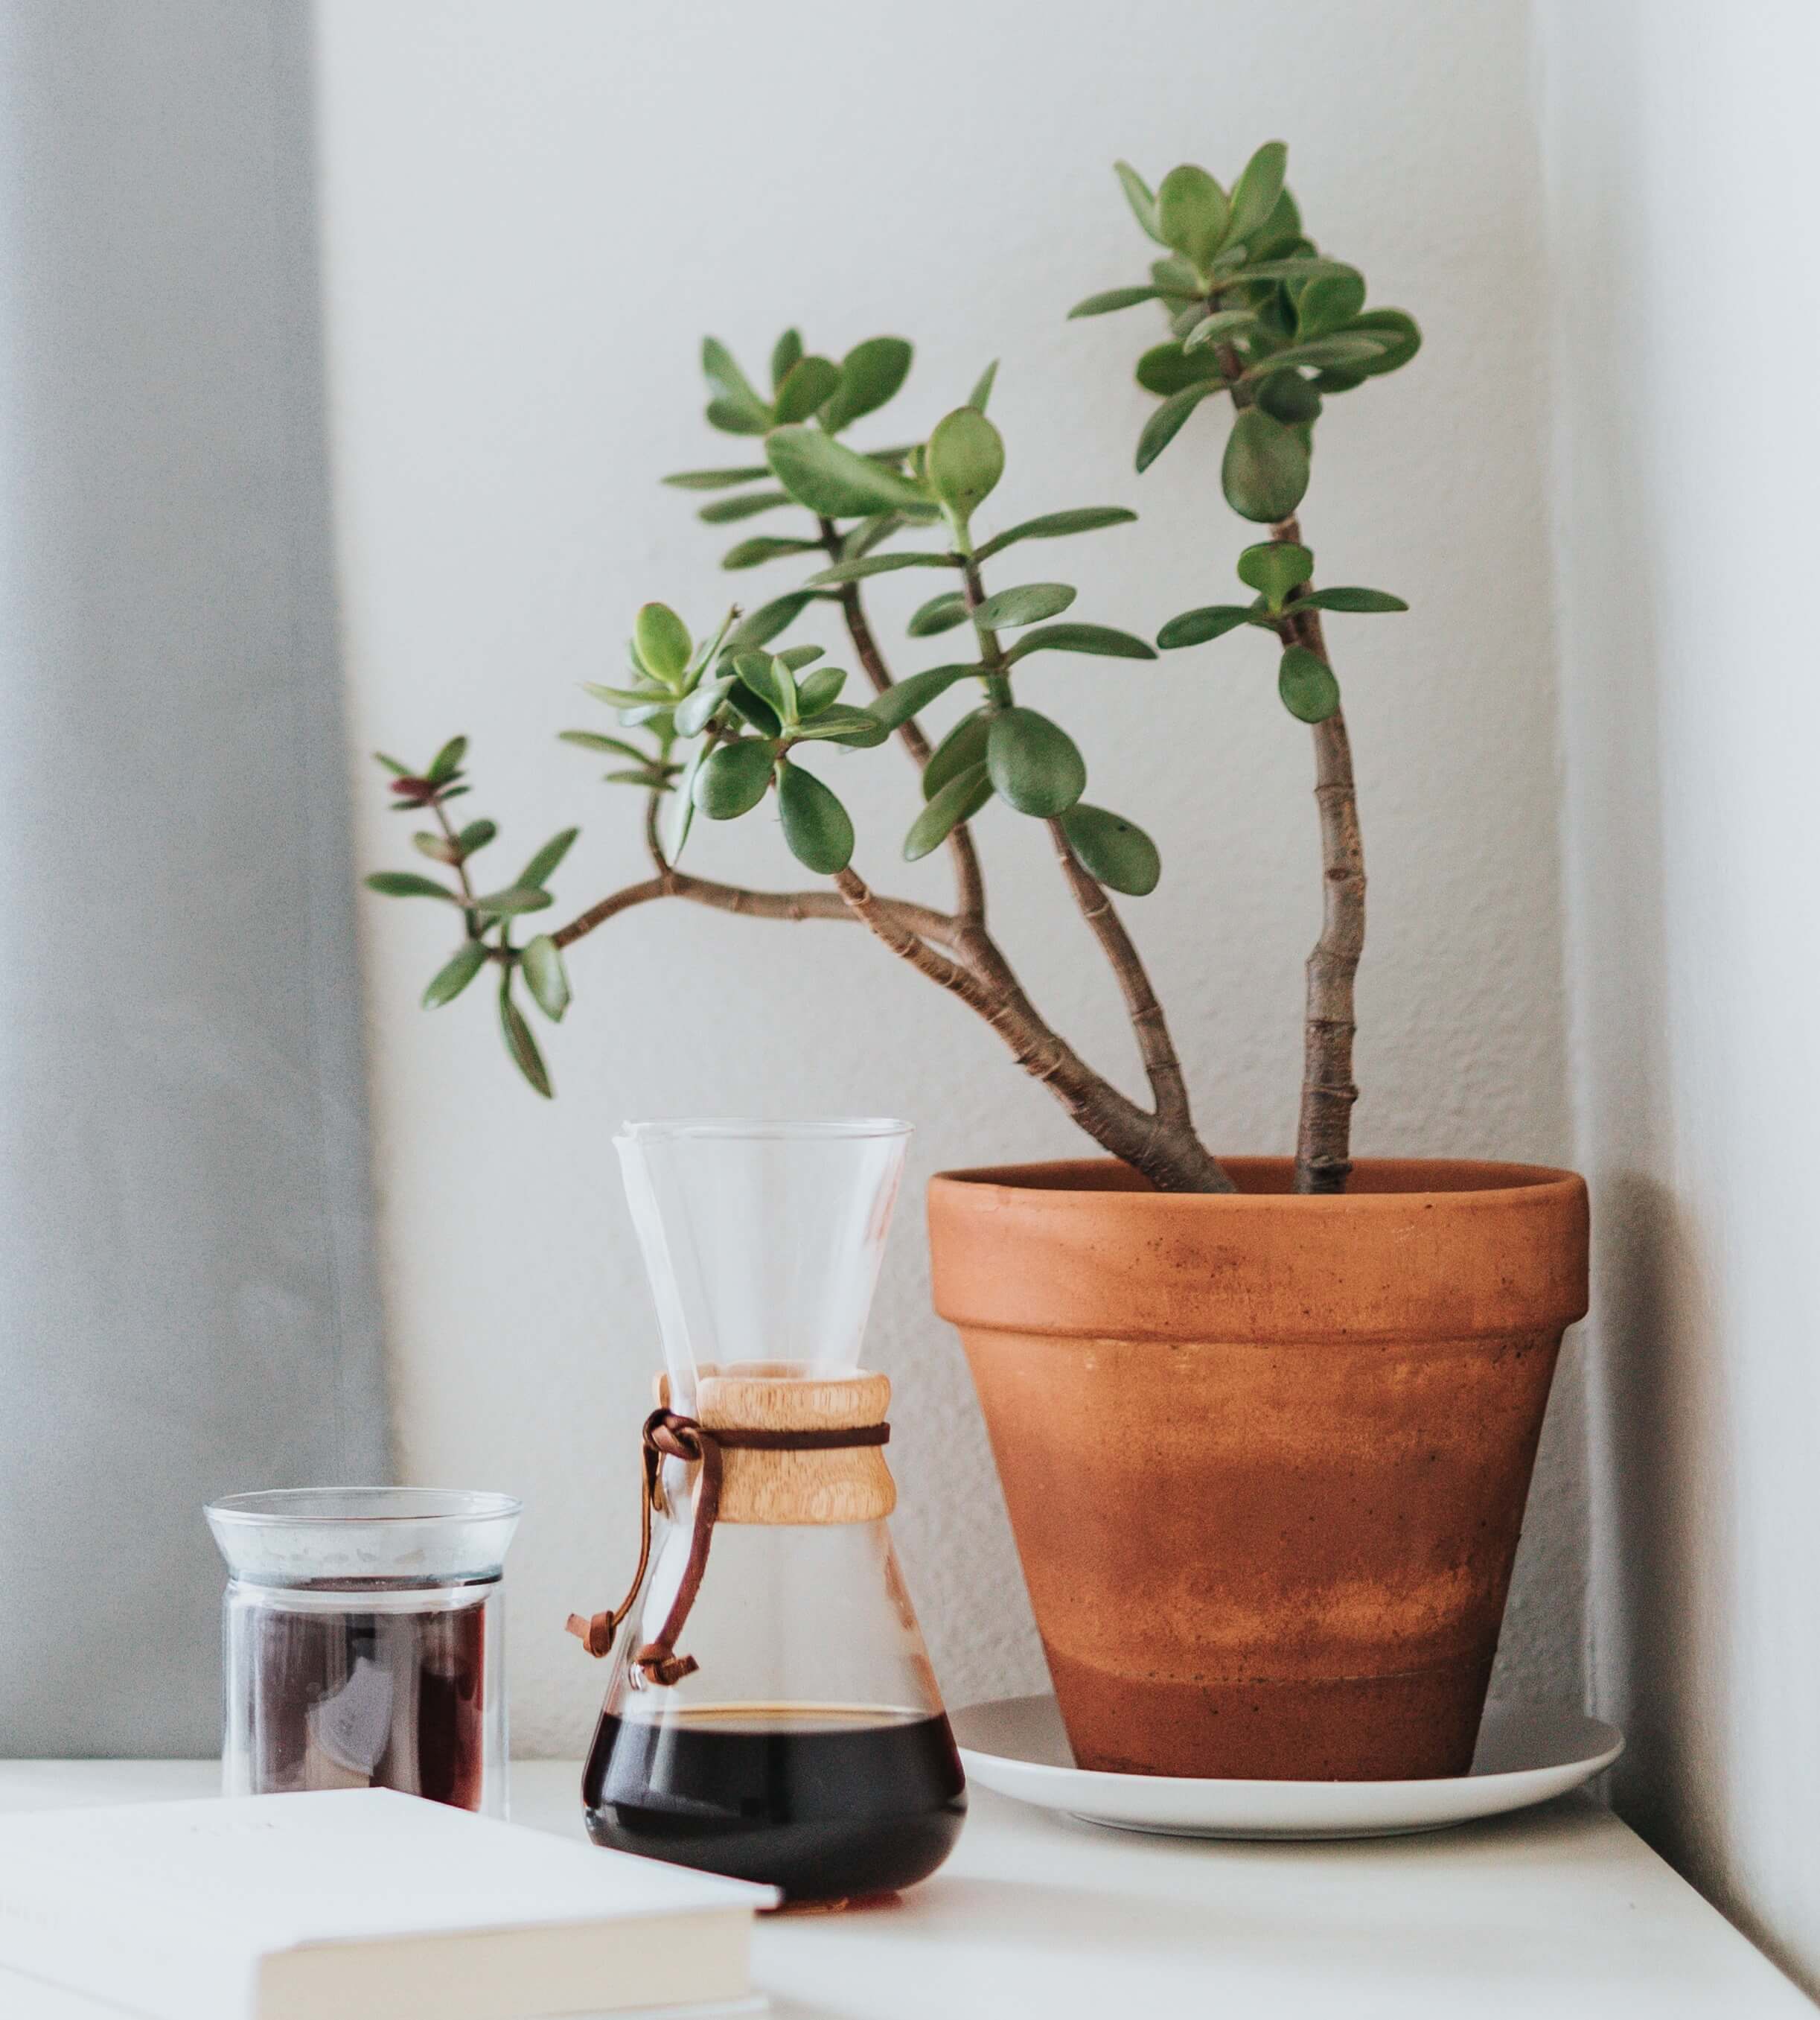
<point x="738" y="717"/>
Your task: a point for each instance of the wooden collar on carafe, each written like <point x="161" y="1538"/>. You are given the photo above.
<point x="771" y="1447"/>
<point x="757" y="1415"/>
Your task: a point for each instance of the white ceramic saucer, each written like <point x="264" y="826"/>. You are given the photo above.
<point x="1526" y="1754"/>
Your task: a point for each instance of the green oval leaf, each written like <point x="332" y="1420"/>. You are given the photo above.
<point x="1218" y="328"/>
<point x="1166" y="369"/>
<point x="1137" y="194"/>
<point x="1265" y="471"/>
<point x="766" y="622"/>
<point x="870" y="374"/>
<point x="1166" y="423"/>
<point x="856" y="727"/>
<point x="1280" y="231"/>
<point x="734" y="778"/>
<point x="818" y="689"/>
<point x="447" y="761"/>
<point x="942" y="612"/>
<point x="1306" y="683"/>
<point x="1102" y="640"/>
<point x="958" y="801"/>
<point x="747" y="706"/>
<point x="750" y="553"/>
<point x="1195" y="627"/>
<point x="834" y="480"/>
<point x="516" y="897"/>
<point x="770" y="679"/>
<point x="897" y="704"/>
<point x="1114" y="851"/>
<point x="809" y="382"/>
<point x="1055" y="525"/>
<point x="408" y="883"/>
<point x="1191" y="213"/>
<point x="1029" y="603"/>
<point x="1112" y="300"/>
<point x="1033" y="763"/>
<point x="1274" y="568"/>
<point x="1352" y="352"/>
<point x="1255" y="194"/>
<point x="546" y="976"/>
<point x="870" y="533"/>
<point x="693" y="713"/>
<point x="628" y="697"/>
<point x="1395" y="331"/>
<point x="537" y="870"/>
<point x="866" y="564"/>
<point x="685" y="816"/>
<point x="661" y="641"/>
<point x="1289" y="397"/>
<point x="454" y="974"/>
<point x="715" y="479"/>
<point x="817" y="827"/>
<point x="1303" y="267"/>
<point x="1328" y="302"/>
<point x="963" y="747"/>
<point x="966" y="459"/>
<point x="784" y="353"/>
<point x="520" y="1044"/>
<point x="1356" y="601"/>
<point x="732" y="418"/>
<point x="1174" y="276"/>
<point x="724" y="511"/>
<point x="592" y="740"/>
<point x="733" y="391"/>
<point x="477" y="834"/>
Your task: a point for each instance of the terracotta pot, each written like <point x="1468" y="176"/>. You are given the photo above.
<point x="1266" y="1457"/>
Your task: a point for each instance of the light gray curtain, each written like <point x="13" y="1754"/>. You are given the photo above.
<point x="186" y="1297"/>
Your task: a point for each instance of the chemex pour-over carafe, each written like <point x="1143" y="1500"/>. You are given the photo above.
<point x="771" y="1714"/>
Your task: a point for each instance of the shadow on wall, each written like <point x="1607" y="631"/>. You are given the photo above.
<point x="1661" y="1651"/>
<point x="185" y="1274"/>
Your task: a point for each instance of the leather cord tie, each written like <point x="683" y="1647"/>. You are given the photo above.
<point x="666" y="1435"/>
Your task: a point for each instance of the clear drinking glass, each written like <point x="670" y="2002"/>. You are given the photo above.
<point x="807" y="1746"/>
<point x="364" y="1642"/>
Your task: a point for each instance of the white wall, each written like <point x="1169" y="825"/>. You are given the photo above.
<point x="1683" y="173"/>
<point x="531" y="214"/>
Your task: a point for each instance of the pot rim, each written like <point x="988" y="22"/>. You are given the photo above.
<point x="1458" y="1180"/>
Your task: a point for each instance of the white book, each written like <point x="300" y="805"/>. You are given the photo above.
<point x="360" y="1904"/>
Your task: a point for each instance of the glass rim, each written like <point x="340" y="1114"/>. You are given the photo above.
<point x="336" y="1507"/>
<point x="755" y="1129"/>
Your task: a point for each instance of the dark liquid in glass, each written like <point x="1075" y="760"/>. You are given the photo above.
<point x="825" y="1802"/>
<point x="356" y="1699"/>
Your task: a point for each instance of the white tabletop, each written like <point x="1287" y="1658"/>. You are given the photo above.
<point x="1562" y="1912"/>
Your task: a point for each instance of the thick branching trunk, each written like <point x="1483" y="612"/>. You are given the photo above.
<point x="959" y="956"/>
<point x="1324" y="1130"/>
<point x="1170" y="1145"/>
<point x="1167" y="1153"/>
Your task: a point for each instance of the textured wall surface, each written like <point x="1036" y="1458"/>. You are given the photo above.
<point x="186" y="1296"/>
<point x="531" y="215"/>
<point x="1687" y="507"/>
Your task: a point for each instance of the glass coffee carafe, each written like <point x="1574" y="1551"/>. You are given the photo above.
<point x="771" y="1712"/>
